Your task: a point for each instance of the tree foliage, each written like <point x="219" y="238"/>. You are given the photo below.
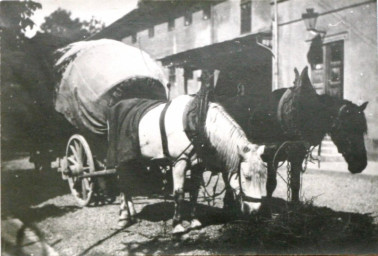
<point x="16" y="14"/>
<point x="27" y="78"/>
<point x="60" y="23"/>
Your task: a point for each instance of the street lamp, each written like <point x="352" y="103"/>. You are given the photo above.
<point x="310" y="18"/>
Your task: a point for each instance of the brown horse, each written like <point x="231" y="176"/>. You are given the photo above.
<point x="299" y="114"/>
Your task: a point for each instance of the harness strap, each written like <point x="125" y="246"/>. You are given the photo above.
<point x="250" y="199"/>
<point x="163" y="132"/>
<point x="242" y="195"/>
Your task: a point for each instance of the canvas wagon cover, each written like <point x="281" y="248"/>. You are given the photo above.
<point x="96" y="74"/>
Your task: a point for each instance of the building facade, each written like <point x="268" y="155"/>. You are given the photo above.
<point x="236" y="40"/>
<point x="346" y="65"/>
<point x="190" y="36"/>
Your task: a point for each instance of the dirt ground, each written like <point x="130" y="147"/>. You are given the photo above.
<point x="340" y="216"/>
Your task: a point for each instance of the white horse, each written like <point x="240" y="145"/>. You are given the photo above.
<point x="235" y="156"/>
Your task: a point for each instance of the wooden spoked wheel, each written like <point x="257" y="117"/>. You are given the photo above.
<point x="80" y="161"/>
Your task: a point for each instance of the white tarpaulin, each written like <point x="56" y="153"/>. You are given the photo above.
<point x="90" y="71"/>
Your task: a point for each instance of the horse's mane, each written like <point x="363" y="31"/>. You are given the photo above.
<point x="225" y="135"/>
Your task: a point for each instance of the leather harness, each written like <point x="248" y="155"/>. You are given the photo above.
<point x="163" y="132"/>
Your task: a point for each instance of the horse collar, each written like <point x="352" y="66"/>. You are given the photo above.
<point x="287" y="113"/>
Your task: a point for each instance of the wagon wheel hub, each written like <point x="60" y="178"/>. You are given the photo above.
<point x="80" y="161"/>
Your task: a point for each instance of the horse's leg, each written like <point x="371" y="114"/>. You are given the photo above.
<point x="178" y="188"/>
<point x="295" y="178"/>
<point x="271" y="183"/>
<point x="196" y="173"/>
<point x="229" y="202"/>
<point x="127" y="210"/>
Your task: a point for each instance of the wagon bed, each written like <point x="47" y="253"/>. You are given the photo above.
<point x="92" y="77"/>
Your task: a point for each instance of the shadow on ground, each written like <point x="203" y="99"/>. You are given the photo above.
<point x="164" y="211"/>
<point x="22" y="189"/>
<point x="297" y="228"/>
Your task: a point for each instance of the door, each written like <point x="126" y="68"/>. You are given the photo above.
<point x="334" y="73"/>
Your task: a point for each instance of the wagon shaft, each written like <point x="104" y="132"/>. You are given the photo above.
<point x="98" y="173"/>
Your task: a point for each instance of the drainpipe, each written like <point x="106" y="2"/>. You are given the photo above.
<point x="275" y="35"/>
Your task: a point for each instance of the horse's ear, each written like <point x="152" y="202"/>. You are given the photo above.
<point x="260" y="150"/>
<point x="363" y="106"/>
<point x="305" y="80"/>
<point x="304" y="77"/>
<point x="296" y="72"/>
<point x="304" y="71"/>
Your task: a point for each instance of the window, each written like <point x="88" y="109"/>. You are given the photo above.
<point x="207" y="12"/>
<point x="172" y="75"/>
<point x="328" y="70"/>
<point x="336" y="50"/>
<point x="335" y="66"/>
<point x="188" y="18"/>
<point x="151" y="32"/>
<point x="171" y="23"/>
<point x="245" y="17"/>
<point x="133" y="38"/>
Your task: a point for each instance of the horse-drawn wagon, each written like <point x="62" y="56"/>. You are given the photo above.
<point x="94" y="76"/>
<point x="108" y="88"/>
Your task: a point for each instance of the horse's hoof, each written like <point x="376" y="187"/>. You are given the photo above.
<point x="195" y="224"/>
<point x="178" y="229"/>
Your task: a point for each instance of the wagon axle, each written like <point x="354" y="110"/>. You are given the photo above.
<point x="81" y="172"/>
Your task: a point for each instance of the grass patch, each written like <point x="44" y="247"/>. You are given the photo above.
<point x="305" y="228"/>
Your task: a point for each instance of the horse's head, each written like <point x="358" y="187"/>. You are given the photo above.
<point x="347" y="132"/>
<point x="249" y="181"/>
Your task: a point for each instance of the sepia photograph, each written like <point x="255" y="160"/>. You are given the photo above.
<point x="189" y="127"/>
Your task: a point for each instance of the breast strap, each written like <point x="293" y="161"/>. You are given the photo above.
<point x="163" y="132"/>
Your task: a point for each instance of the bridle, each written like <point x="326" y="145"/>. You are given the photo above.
<point x="242" y="196"/>
<point x="337" y="124"/>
